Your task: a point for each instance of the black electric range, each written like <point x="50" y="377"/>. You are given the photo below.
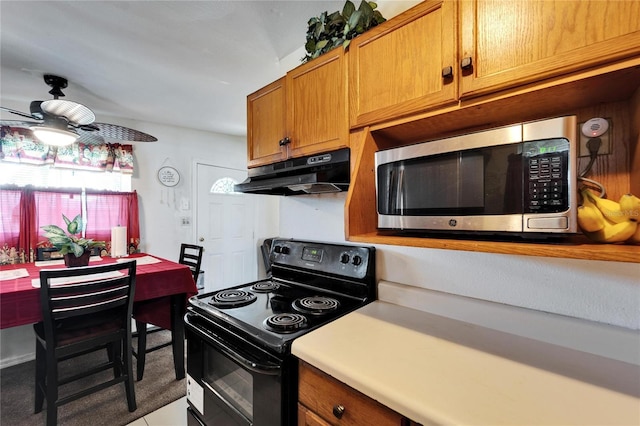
<point x="239" y="361"/>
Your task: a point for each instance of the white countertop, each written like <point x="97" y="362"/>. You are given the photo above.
<point x="439" y="370"/>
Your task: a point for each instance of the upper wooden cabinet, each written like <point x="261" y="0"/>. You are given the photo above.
<point x="318" y="115"/>
<point x="405" y="65"/>
<point x="303" y="113"/>
<point x="510" y="43"/>
<point x="441" y="52"/>
<point x="266" y="124"/>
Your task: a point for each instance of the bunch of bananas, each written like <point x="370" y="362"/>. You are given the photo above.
<point x="607" y="221"/>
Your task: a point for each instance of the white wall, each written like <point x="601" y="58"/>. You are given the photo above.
<point x="606" y="292"/>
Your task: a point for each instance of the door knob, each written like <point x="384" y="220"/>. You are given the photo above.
<point x="201" y="239"/>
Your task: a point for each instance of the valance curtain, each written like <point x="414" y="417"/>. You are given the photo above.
<point x="23" y="211"/>
<point x="18" y="145"/>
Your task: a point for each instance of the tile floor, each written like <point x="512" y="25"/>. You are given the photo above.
<point x="174" y="414"/>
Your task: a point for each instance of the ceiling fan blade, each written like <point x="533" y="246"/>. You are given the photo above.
<point x="112" y="131"/>
<point x="17" y="123"/>
<point x="20" y="113"/>
<point x="89" y="138"/>
<point x="72" y="111"/>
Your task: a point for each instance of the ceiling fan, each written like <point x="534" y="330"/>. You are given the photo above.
<point x="60" y="122"/>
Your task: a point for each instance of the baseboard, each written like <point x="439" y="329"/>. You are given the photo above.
<point x="8" y="362"/>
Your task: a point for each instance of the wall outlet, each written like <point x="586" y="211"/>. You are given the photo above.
<point x="605" y="146"/>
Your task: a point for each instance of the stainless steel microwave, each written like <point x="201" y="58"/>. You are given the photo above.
<point x="518" y="179"/>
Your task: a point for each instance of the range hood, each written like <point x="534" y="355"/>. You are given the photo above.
<point x="316" y="174"/>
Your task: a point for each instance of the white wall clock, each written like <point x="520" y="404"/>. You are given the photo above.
<point x="168" y="176"/>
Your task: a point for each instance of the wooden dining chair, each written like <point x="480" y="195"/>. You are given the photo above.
<point x="84" y="310"/>
<point x="190" y="255"/>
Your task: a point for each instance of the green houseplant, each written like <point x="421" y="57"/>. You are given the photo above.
<point x="75" y="249"/>
<point x="326" y="32"/>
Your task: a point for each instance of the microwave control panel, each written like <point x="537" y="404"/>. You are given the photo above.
<point x="546" y="181"/>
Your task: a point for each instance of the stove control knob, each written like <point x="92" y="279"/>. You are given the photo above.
<point x="357" y="260"/>
<point x="277" y="249"/>
<point x="344" y="258"/>
<point x="286" y="250"/>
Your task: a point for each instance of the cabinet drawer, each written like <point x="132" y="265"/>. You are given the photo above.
<point x="321" y="394"/>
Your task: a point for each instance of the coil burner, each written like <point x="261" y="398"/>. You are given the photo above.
<point x="285" y="323"/>
<point x="264" y="287"/>
<point x="316" y="305"/>
<point x="232" y="298"/>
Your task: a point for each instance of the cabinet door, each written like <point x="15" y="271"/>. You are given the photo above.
<point x="397" y="68"/>
<point x="515" y="42"/>
<point x="317" y="105"/>
<point x="309" y="418"/>
<point x="266" y="124"/>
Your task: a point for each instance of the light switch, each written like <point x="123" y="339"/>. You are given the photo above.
<point x="184" y="204"/>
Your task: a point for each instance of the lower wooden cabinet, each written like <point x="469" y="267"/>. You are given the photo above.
<point x="324" y="401"/>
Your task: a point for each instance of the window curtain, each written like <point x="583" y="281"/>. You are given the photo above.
<point x="10" y="217"/>
<point x="106" y="210"/>
<point x="25" y="210"/>
<point x="49" y="206"/>
<point x="18" y="145"/>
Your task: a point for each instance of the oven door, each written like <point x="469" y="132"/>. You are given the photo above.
<point x="231" y="381"/>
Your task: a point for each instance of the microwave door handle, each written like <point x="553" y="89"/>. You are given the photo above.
<point x="400" y="191"/>
<point x="396" y="186"/>
<point x="392" y="200"/>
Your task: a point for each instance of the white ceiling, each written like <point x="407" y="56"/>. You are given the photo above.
<point x="183" y="63"/>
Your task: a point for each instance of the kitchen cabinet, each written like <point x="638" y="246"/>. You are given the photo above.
<point x="324" y="400"/>
<point x="442" y="53"/>
<point x="317" y="105"/>
<point x="597" y="76"/>
<point x="266" y="124"/>
<point x="404" y="65"/>
<point x="506" y="44"/>
<point x="303" y="113"/>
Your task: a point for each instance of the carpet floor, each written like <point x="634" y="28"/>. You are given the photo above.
<point x="108" y="407"/>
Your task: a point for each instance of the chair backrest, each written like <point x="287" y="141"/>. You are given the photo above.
<point x="191" y="255"/>
<point x="86" y="298"/>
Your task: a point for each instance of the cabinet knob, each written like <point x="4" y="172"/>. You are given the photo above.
<point x="466" y="63"/>
<point x="338" y="411"/>
<point x="447" y="72"/>
<point x="284" y="141"/>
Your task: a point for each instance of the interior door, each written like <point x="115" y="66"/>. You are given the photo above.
<point x="225" y="228"/>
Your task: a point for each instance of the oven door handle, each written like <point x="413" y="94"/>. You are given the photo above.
<point x="260" y="368"/>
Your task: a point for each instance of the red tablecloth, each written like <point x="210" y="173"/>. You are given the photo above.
<point x="20" y="301"/>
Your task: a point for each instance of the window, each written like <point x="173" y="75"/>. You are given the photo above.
<point x="50" y="177"/>
<point x="25" y="210"/>
<point x="223" y="186"/>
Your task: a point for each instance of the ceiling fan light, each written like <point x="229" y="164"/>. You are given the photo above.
<point x="53" y="136"/>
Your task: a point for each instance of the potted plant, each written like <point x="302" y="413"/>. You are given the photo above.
<point x="326" y="32"/>
<point x="75" y="249"/>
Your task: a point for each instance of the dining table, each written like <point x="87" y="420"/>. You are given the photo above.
<point x="161" y="293"/>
